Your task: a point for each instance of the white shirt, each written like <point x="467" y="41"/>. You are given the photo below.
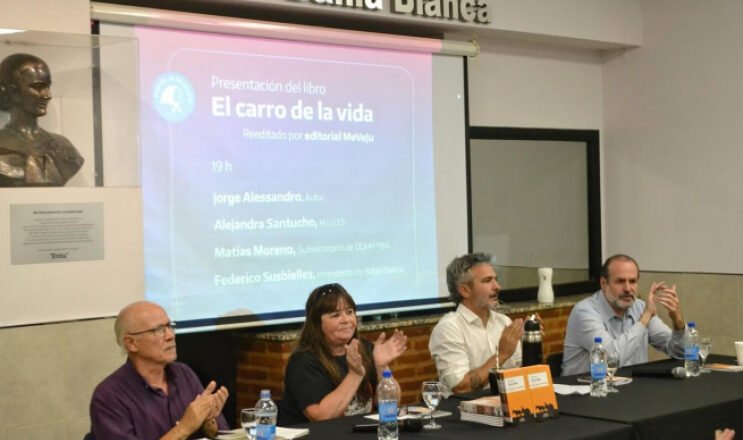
<point x="459" y="343"/>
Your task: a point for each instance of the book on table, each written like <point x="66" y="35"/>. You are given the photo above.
<point x="542" y="391"/>
<point x="527" y="394"/>
<point x="481" y="418"/>
<point x="725" y="367"/>
<point x="486" y="410"/>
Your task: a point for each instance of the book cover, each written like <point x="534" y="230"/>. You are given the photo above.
<point x="515" y="395"/>
<point x="539" y="382"/>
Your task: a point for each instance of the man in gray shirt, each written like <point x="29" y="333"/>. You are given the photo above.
<point x="621" y="320"/>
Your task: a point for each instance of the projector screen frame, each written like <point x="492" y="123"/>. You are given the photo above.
<point x="403" y="308"/>
<point x="171" y="19"/>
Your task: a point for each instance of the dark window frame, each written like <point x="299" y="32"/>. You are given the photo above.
<point x="591" y="139"/>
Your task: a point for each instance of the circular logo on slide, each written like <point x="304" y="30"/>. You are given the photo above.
<point x="173" y="96"/>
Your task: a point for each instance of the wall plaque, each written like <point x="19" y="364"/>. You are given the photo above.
<point x="56" y="232"/>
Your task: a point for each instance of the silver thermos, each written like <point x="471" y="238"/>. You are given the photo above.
<point x="531" y="342"/>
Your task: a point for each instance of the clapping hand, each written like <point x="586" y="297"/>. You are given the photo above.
<point x="509" y="339"/>
<point x="196" y="412"/>
<point x="353" y="358"/>
<point x="727" y="434"/>
<point x="387" y="350"/>
<point x="652" y="299"/>
<point x="207" y="405"/>
<point x="668" y="298"/>
<point x="219" y="397"/>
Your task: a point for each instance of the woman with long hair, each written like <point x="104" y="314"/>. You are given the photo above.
<point x="332" y="372"/>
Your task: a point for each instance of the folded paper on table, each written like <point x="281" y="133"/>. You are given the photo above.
<point x="281" y="433"/>
<point x="290" y="433"/>
<point x="618" y="380"/>
<point x="566" y="390"/>
<point x="414" y="413"/>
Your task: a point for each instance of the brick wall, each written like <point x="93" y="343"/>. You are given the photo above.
<point x="261" y="362"/>
<point x="555" y="324"/>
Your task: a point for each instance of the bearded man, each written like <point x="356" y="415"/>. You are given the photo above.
<point x="623" y="321"/>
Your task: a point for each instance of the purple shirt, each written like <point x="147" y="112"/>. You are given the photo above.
<point x="124" y="406"/>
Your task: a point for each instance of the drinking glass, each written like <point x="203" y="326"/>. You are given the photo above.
<point x="612" y="363"/>
<point x="431" y="392"/>
<point x="705" y="346"/>
<point x="248" y="420"/>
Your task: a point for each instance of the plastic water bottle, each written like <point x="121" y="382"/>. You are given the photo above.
<point x="266" y="413"/>
<point x="387" y="396"/>
<point x="691" y="350"/>
<point x="598" y="368"/>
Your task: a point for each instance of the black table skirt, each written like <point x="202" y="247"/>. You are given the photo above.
<point x="562" y="428"/>
<point x="648" y="408"/>
<point x="659" y="408"/>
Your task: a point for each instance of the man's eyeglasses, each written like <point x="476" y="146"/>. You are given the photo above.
<point x="158" y="331"/>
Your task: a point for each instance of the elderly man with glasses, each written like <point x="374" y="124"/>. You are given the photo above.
<point x="151" y="396"/>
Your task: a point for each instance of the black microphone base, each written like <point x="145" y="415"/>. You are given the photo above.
<point x="404" y="425"/>
<point x="365" y="427"/>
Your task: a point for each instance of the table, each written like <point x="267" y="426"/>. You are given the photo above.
<point x="647" y="408"/>
<point x="562" y="428"/>
<point x="658" y="408"/>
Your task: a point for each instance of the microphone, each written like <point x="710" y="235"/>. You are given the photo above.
<point x="666" y="372"/>
<point x="404" y="425"/>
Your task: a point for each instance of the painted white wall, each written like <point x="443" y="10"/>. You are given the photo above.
<point x="585" y="23"/>
<point x="525" y="84"/>
<point x="672" y="140"/>
<point x="71" y="290"/>
<point x="588" y="20"/>
<point x="47" y="15"/>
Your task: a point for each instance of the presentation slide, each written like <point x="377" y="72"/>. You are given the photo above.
<point x="271" y="167"/>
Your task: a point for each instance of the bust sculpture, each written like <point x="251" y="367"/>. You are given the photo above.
<point x="30" y="155"/>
